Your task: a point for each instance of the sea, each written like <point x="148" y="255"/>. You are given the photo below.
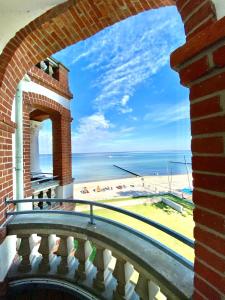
<point x="87" y="167"/>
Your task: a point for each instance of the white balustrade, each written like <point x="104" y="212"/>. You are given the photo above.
<point x="69" y="255"/>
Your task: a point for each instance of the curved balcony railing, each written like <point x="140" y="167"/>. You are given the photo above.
<point x="106" y="258"/>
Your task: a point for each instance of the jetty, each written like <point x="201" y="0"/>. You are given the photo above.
<point x="180" y="162"/>
<point x="130" y="172"/>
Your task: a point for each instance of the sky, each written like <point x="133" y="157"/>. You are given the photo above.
<point x="126" y="96"/>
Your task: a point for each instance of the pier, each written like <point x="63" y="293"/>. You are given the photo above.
<point x="130" y="172"/>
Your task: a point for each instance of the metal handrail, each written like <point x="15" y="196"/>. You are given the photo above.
<point x="44" y="179"/>
<point x="92" y="204"/>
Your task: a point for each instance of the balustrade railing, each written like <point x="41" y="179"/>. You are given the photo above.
<point x="49" y="66"/>
<point x="44" y="188"/>
<point x="106" y="258"/>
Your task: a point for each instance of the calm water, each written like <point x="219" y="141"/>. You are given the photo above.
<point x="99" y="166"/>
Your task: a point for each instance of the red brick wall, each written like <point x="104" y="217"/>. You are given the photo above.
<point x="196" y="15"/>
<point x="62" y="162"/>
<point x="61" y="74"/>
<point x="61" y="119"/>
<point x="6" y="179"/>
<point x="59" y="85"/>
<point x="26" y="147"/>
<point x="201" y="65"/>
<point x="45" y="104"/>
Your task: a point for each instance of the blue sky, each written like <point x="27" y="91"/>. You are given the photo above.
<point x="126" y="96"/>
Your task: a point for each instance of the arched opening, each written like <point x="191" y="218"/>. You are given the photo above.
<point x="38" y="110"/>
<point x="124" y="70"/>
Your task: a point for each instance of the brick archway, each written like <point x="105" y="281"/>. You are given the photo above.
<point x="200" y="62"/>
<point x="46" y="104"/>
<point x="61" y="120"/>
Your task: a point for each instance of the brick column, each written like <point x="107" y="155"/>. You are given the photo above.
<point x="201" y="65"/>
<point x="61" y="74"/>
<point x="7" y="128"/>
<point x="62" y="162"/>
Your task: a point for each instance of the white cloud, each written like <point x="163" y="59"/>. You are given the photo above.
<point x="92" y="130"/>
<point x="127" y="54"/>
<point x="127" y="129"/>
<point x="125" y="110"/>
<point x="95" y="121"/>
<point x="93" y="127"/>
<point x="133" y="118"/>
<point x="162" y="115"/>
<point x="95" y="132"/>
<point x="124" y="100"/>
<point x="122" y="58"/>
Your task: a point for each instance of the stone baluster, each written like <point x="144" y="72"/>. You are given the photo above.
<point x="154" y="290"/>
<point x="50" y="70"/>
<point x="52" y="196"/>
<point x="123" y="272"/>
<point x="44" y="266"/>
<point x="35" y="196"/>
<point x="45" y="194"/>
<point x="62" y="251"/>
<point x="146" y="289"/>
<point x="142" y="287"/>
<point x="82" y="254"/>
<point x="53" y="193"/>
<point x="24" y="252"/>
<point x="102" y="259"/>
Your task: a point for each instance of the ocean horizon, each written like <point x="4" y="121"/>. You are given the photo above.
<point x="88" y="167"/>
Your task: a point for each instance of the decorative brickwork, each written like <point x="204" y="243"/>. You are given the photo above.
<point x="201" y="66"/>
<point x="196" y="15"/>
<point x="59" y="86"/>
<point x="61" y="120"/>
<point x="45" y="104"/>
<point x="6" y="179"/>
<point x="62" y="161"/>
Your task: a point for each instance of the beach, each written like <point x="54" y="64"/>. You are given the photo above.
<point x="131" y="187"/>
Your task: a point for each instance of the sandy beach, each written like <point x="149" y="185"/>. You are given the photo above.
<point x="131" y="187"/>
